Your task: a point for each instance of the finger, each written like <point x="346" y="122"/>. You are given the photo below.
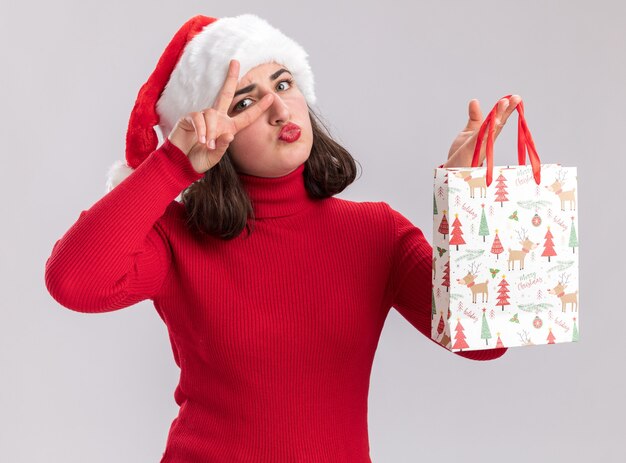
<point x="227" y="92"/>
<point x="248" y="116"/>
<point x="197" y="120"/>
<point x="210" y="117"/>
<point x="482" y="154"/>
<point x="504" y="111"/>
<point x="475" y="116"/>
<point x="501" y="107"/>
<point x="513" y="102"/>
<point x="471" y="143"/>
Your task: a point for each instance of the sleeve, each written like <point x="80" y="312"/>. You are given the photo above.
<point x="116" y="253"/>
<point x="411" y="282"/>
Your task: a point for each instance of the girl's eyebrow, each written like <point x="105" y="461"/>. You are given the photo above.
<point x="251" y="87"/>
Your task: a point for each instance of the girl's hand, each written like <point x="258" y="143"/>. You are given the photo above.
<point x="462" y="149"/>
<point x="204" y="136"/>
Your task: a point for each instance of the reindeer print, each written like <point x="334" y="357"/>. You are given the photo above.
<point x="557" y="188"/>
<point x="520" y="254"/>
<point x="525" y="339"/>
<point x="569" y="298"/>
<point x="499" y="285"/>
<point x="473" y="182"/>
<point x="476" y="288"/>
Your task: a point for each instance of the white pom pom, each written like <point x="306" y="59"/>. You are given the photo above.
<point x="117" y="173"/>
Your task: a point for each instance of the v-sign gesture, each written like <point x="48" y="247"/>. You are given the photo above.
<point x="204" y="136"/>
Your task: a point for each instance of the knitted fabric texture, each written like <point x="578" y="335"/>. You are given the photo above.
<point x="275" y="333"/>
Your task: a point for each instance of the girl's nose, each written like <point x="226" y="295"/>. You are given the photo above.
<point x="279" y="110"/>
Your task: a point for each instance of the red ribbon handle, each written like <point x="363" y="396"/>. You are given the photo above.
<point x="524" y="142"/>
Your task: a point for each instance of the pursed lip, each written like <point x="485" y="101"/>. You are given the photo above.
<point x="290" y="132"/>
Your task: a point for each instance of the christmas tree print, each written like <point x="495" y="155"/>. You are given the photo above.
<point x="548" y="250"/>
<point x="501" y="190"/>
<point x="575" y="332"/>
<point x="446" y="276"/>
<point x="484" y="229"/>
<point x="503" y="293"/>
<point x="573" y="239"/>
<point x="456" y="237"/>
<point x="441" y="325"/>
<point x="524" y="295"/>
<point x="443" y="226"/>
<point x="484" y="332"/>
<point x="434" y="309"/>
<point x="497" y="248"/>
<point x="459" y="337"/>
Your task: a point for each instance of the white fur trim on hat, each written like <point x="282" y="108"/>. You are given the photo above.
<point x="203" y="66"/>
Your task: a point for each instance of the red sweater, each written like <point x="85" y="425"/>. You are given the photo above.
<point x="275" y="333"/>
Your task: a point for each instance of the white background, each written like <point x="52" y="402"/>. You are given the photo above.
<point x="393" y="81"/>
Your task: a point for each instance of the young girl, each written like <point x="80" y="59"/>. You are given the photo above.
<point x="274" y="291"/>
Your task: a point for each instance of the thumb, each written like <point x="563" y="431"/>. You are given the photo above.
<point x="475" y="115"/>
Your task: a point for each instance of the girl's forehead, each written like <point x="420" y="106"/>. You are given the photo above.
<point x="265" y="67"/>
<point x="263" y="71"/>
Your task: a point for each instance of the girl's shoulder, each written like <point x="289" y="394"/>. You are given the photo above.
<point x="373" y="208"/>
<point x="374" y="214"/>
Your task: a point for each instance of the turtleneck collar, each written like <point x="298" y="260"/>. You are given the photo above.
<point x="277" y="196"/>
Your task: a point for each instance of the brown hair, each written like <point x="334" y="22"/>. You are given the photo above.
<point x="218" y="205"/>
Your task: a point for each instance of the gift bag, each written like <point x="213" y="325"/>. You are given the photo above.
<point x="505" y="250"/>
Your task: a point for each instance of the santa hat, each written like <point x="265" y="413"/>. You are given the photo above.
<point x="190" y="74"/>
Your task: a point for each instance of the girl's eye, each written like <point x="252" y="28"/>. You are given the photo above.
<point x="289" y="81"/>
<point x="239" y="107"/>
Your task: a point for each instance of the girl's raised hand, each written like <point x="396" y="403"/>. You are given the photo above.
<point x="462" y="149"/>
<point x="204" y="136"/>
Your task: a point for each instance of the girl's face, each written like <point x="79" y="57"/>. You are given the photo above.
<point x="257" y="149"/>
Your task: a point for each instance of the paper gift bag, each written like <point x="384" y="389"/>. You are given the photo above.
<point x="505" y="250"/>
